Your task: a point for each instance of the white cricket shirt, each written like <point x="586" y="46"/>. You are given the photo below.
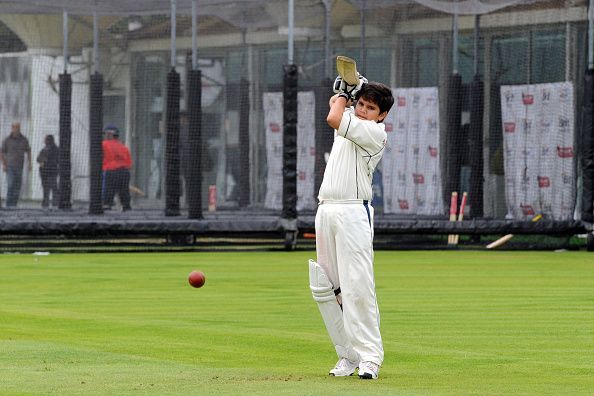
<point x="358" y="146"/>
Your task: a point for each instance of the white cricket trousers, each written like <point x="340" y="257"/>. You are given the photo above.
<point x="344" y="247"/>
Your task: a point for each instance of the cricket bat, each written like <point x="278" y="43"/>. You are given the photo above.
<point x="453" y="209"/>
<point x="504" y="239"/>
<point x="460" y="215"/>
<point x="347" y="69"/>
<point x="137" y="191"/>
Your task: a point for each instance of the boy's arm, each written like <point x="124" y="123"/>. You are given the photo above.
<point x="337" y="105"/>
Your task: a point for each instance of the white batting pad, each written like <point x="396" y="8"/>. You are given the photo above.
<point x="323" y="293"/>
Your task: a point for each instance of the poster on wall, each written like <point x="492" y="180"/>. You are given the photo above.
<point x="411" y="175"/>
<point x="539" y="150"/>
<point x="273" y="119"/>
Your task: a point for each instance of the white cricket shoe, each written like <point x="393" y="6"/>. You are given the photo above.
<point x="344" y="367"/>
<point x="368" y="370"/>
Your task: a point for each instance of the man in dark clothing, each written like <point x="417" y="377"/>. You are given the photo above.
<point x="48" y="159"/>
<point x="12" y="154"/>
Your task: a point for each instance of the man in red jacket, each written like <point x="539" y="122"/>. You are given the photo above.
<point x="116" y="168"/>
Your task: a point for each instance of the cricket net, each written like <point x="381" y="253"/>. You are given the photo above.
<point x="222" y="104"/>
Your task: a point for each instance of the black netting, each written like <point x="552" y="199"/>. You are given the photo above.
<point x="493" y="98"/>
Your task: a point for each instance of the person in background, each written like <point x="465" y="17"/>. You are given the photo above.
<point x="12" y="155"/>
<point x="117" y="163"/>
<point x="48" y="160"/>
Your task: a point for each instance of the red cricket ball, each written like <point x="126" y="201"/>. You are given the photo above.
<point x="197" y="278"/>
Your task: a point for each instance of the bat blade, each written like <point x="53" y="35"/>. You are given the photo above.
<point x="347" y="69"/>
<point x="137" y="191"/>
<point x="501" y="241"/>
<point x="504" y="239"/>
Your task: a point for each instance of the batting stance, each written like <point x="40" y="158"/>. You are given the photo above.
<point x="342" y="280"/>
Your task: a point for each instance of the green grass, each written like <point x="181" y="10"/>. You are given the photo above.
<point x="457" y="323"/>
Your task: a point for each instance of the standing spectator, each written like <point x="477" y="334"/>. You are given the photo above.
<point x="12" y="154"/>
<point x="116" y="168"/>
<point x="48" y="159"/>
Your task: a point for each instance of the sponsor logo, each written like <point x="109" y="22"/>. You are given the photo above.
<point x="546" y="95"/>
<point x="527" y="210"/>
<point x="527" y="125"/>
<point x="418" y="178"/>
<point x="565" y="152"/>
<point x="415" y="149"/>
<point x="509" y="127"/>
<point x="526" y="152"/>
<point x="420" y="201"/>
<point x="389" y="126"/>
<point x="432" y="151"/>
<point x="301" y="175"/>
<point x="527" y="99"/>
<point x="564" y="93"/>
<point x="509" y="97"/>
<point x="563" y="122"/>
<point x="274" y="127"/>
<point x="403" y="204"/>
<point x="401" y="178"/>
<point x="401" y="101"/>
<point x="544" y="181"/>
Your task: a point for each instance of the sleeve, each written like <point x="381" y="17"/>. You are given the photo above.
<point x="42" y="157"/>
<point x="128" y="159"/>
<point x="368" y="135"/>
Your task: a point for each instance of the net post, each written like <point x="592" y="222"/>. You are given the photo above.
<point x="95" y="144"/>
<point x="65" y="183"/>
<point x="244" y="143"/>
<point x="194" y="175"/>
<point x="289" y="211"/>
<point x="172" y="174"/>
<point x="587" y="133"/>
<point x="475" y="156"/>
<point x="453" y="135"/>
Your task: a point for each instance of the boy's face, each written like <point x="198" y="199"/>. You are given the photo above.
<point x="367" y="110"/>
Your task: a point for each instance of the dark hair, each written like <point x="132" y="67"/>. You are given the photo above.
<point x="377" y="93"/>
<point x="113" y="129"/>
<point x="49" y="139"/>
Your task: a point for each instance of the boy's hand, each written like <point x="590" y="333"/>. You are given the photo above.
<point x="352" y="90"/>
<point x="341" y="87"/>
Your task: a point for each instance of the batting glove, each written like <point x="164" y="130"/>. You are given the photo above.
<point x="339" y="85"/>
<point x="352" y="90"/>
